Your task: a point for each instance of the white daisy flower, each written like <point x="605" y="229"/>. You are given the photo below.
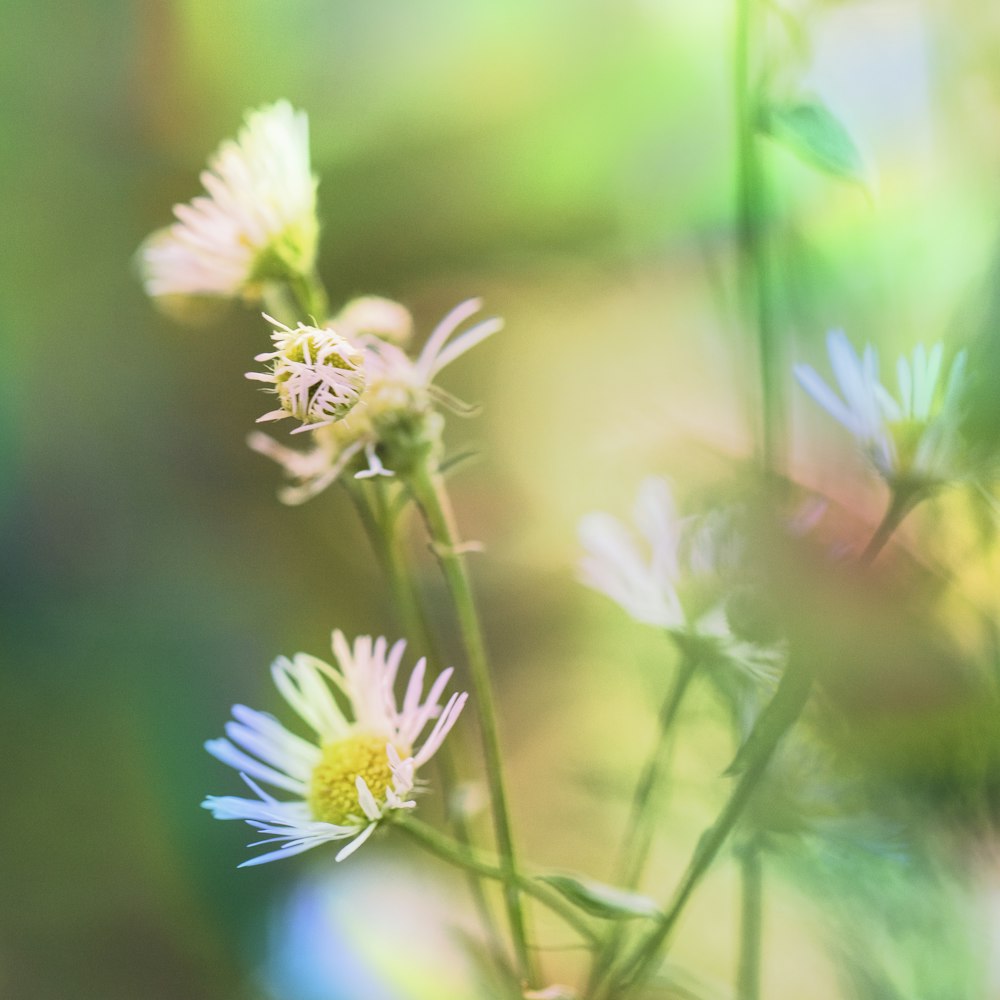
<point x="913" y="439"/>
<point x="317" y="375"/>
<point x="395" y="409"/>
<point x="360" y="765"/>
<point x="257" y="221"/>
<point x="640" y="577"/>
<point x="646" y="571"/>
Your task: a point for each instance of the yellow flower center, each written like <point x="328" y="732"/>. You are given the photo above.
<point x="333" y="794"/>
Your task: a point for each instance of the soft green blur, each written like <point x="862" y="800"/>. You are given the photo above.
<point x="572" y="163"/>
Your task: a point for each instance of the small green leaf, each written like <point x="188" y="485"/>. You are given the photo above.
<point x="815" y="135"/>
<point x="600" y="900"/>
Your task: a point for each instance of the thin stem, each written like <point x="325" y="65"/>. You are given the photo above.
<point x="429" y="491"/>
<point x="381" y="525"/>
<point x="462" y="857"/>
<point x="641" y="823"/>
<point x="900" y="504"/>
<point x="279" y="303"/>
<point x="311" y="295"/>
<point x="776" y="719"/>
<point x="639" y="830"/>
<point x="751" y="211"/>
<point x="399" y="575"/>
<point x="751" y="922"/>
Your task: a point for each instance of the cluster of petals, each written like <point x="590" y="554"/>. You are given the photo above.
<point x="913" y="437"/>
<point x="266" y="753"/>
<point x="645" y="567"/>
<point x="260" y="200"/>
<point x="395" y="384"/>
<point x="317" y="374"/>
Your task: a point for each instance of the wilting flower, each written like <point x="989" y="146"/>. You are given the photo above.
<point x="395" y="412"/>
<point x="360" y="765"/>
<point x="913" y="440"/>
<point x="317" y="375"/>
<point x="257" y="222"/>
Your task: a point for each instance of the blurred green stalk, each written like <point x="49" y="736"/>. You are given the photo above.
<point x="381" y="520"/>
<point x="753" y="757"/>
<point x="751" y="921"/>
<point x="639" y="830"/>
<point x="428" y="489"/>
<point x="754" y="273"/>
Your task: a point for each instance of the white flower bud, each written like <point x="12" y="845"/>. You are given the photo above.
<point x="372" y="316"/>
<point x="317" y="375"/>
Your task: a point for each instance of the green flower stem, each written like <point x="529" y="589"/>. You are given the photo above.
<point x="642" y="817"/>
<point x="776" y="719"/>
<point x="311" y="295"/>
<point x="751" y="223"/>
<point x="901" y="503"/>
<point x="751" y="922"/>
<point x="381" y="525"/>
<point x="429" y="491"/>
<point x="397" y="570"/>
<point x="279" y="303"/>
<point x="462" y="857"/>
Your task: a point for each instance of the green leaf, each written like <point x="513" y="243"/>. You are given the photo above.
<point x="815" y="135"/>
<point x="600" y="900"/>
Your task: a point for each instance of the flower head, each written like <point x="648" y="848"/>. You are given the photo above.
<point x="257" y="222"/>
<point x="640" y="577"/>
<point x="395" y="417"/>
<point x="913" y="439"/>
<point x="317" y="375"/>
<point x="360" y="764"/>
<point x="669" y="573"/>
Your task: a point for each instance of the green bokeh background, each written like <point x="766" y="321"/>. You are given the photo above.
<point x="569" y="160"/>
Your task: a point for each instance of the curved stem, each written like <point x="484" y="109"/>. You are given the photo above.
<point x="900" y="504"/>
<point x="641" y="823"/>
<point x="639" y="831"/>
<point x="776" y="719"/>
<point x="462" y="857"/>
<point x="751" y="922"/>
<point x="380" y="522"/>
<point x="429" y="491"/>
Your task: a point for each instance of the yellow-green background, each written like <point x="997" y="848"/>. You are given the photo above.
<point x="571" y="161"/>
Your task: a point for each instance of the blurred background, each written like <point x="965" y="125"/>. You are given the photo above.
<point x="572" y="162"/>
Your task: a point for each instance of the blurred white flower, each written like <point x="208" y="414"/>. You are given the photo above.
<point x="641" y="577"/>
<point x="317" y="375"/>
<point x="373" y="316"/>
<point x="361" y="765"/>
<point x="395" y="410"/>
<point x="256" y="223"/>
<point x="913" y="440"/>
<point x="671" y="572"/>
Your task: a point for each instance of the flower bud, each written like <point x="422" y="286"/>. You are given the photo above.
<point x="372" y="316"/>
<point x="317" y="375"/>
